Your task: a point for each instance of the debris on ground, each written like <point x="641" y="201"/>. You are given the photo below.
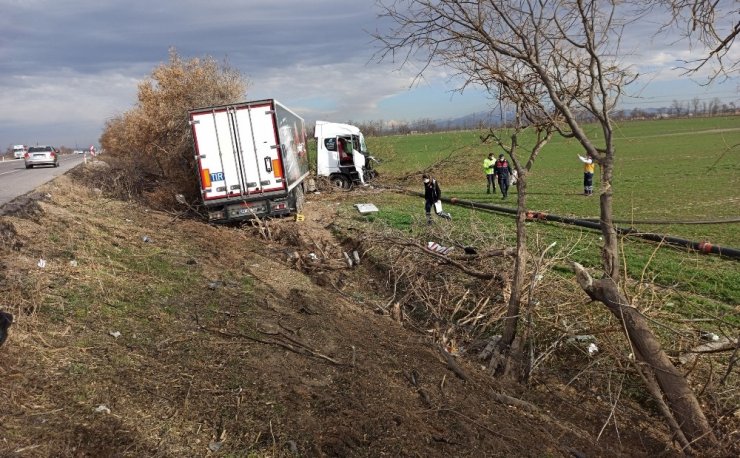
<point x="366" y="209"/>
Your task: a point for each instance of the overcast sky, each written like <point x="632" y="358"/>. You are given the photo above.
<point x="68" y="65"/>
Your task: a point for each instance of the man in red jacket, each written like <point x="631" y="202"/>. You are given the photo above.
<point x="503" y="172"/>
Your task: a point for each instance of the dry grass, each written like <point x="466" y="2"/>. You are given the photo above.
<point x="221" y="332"/>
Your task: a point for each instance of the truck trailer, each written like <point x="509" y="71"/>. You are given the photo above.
<point x="334" y="155"/>
<point x="251" y="159"/>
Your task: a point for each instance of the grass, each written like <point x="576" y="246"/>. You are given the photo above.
<point x="667" y="170"/>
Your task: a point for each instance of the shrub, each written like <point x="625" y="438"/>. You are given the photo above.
<point x="150" y="145"/>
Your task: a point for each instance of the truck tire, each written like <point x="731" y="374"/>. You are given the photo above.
<point x="300" y="198"/>
<point x="340" y="181"/>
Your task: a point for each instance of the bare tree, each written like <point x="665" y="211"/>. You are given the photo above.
<point x="709" y="23"/>
<point x="559" y="61"/>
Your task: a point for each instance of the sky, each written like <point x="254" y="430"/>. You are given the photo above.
<point x="67" y="66"/>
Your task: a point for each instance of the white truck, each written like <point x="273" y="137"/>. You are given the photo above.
<point x="251" y="159"/>
<point x="334" y="158"/>
<point x="19" y="151"/>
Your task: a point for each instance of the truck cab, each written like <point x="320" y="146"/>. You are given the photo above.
<point x="19" y="151"/>
<point x="335" y="143"/>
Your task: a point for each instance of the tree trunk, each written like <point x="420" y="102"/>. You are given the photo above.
<point x="681" y="400"/>
<point x="503" y="359"/>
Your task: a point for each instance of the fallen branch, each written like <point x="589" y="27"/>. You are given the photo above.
<point x="511" y="401"/>
<point x="684" y="410"/>
<point x="710" y="347"/>
<point x="452" y="364"/>
<point x="300" y="348"/>
<point x="447" y="259"/>
<point x="413" y="378"/>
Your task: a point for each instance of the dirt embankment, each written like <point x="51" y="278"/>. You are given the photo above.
<point x="142" y="334"/>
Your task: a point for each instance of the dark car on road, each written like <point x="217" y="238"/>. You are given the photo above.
<point x="42" y="155"/>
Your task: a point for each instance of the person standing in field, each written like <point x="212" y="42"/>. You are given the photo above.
<point x="432" y="196"/>
<point x="502" y="169"/>
<point x="488" y="164"/>
<point x="588" y="174"/>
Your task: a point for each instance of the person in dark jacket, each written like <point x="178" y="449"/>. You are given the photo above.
<point x="503" y="172"/>
<point x="432" y="196"/>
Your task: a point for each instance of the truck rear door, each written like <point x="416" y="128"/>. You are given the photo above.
<point x="237" y="151"/>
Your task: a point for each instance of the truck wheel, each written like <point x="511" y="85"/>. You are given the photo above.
<point x="340" y="181"/>
<point x="300" y="197"/>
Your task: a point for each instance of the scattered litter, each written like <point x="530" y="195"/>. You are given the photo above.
<point x="470" y="250"/>
<point x="41" y="263"/>
<point x="437" y="248"/>
<point x="582" y="338"/>
<point x="709" y="336"/>
<point x="73" y="263"/>
<point x="356" y="257"/>
<point x="348" y="259"/>
<point x="146" y="239"/>
<point x="300" y="217"/>
<point x="115" y="334"/>
<point x="592" y="349"/>
<point x="181" y="199"/>
<point x="48" y="196"/>
<point x="129" y="220"/>
<point x="366" y="209"/>
<point x="312" y="256"/>
<point x="214" y="284"/>
<point x="102" y="409"/>
<point x="215" y="446"/>
<point x="538" y="277"/>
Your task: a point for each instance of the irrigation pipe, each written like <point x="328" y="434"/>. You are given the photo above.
<point x="704" y="247"/>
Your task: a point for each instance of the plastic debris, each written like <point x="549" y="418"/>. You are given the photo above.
<point x="115" y="334"/>
<point x="366" y="209"/>
<point x="73" y="263"/>
<point x="312" y="256"/>
<point x="146" y="239"/>
<point x="102" y="409"/>
<point x="41" y="263"/>
<point x="582" y="338"/>
<point x="348" y="259"/>
<point x="709" y="336"/>
<point x="356" y="257"/>
<point x="214" y="285"/>
<point x="592" y="349"/>
<point x="437" y="248"/>
<point x="215" y="446"/>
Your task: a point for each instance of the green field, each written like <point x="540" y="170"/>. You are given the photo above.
<point x="667" y="170"/>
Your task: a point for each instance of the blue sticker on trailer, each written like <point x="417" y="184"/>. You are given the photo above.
<point x="217" y="176"/>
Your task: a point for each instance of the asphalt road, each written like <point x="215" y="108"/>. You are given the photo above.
<point x="16" y="179"/>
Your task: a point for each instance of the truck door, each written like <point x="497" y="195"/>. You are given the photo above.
<point x="236" y="150"/>
<point x="256" y="135"/>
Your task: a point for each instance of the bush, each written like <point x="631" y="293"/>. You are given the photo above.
<point x="151" y="145"/>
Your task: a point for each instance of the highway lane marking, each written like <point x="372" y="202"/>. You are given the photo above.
<point x="12" y="171"/>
